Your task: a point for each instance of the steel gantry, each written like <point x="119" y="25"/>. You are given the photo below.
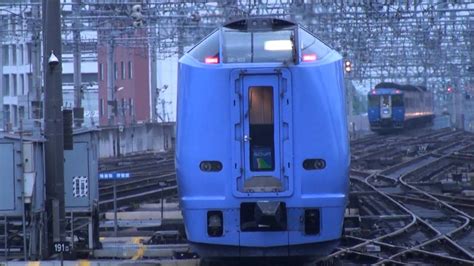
<point x="424" y="41"/>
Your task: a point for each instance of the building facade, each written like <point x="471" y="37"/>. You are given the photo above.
<point x="124" y="82"/>
<point x="21" y="75"/>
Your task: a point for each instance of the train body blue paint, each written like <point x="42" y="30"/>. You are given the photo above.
<point x="392" y="106"/>
<point x="262" y="152"/>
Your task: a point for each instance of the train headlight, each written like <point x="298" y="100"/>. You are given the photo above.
<point x="314" y="164"/>
<point x="205" y="166"/>
<point x="215" y="223"/>
<point x="210" y="166"/>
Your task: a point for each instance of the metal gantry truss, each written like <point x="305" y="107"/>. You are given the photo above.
<point x="427" y="42"/>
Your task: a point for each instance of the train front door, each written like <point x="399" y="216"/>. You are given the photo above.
<point x="261" y="134"/>
<point x="385" y="106"/>
<point x="262" y="147"/>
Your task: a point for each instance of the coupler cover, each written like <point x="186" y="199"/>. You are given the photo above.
<point x="263" y="216"/>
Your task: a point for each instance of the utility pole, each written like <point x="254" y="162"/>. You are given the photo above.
<point x="153" y="78"/>
<point x="53" y="119"/>
<point x="36" y="109"/>
<point x="349" y="95"/>
<point x="458" y="108"/>
<point x="180" y="28"/>
<point x="2" y="125"/>
<point x="78" y="110"/>
<point x="163" y="108"/>
<point x="111" y="102"/>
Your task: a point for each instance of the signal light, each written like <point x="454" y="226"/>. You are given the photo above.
<point x="450" y="89"/>
<point x="137" y="15"/>
<point x="309" y="57"/>
<point x="347" y="66"/>
<point x="211" y="60"/>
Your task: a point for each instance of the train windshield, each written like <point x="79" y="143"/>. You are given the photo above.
<point x="208" y="48"/>
<point x="397" y="100"/>
<point x="312" y="45"/>
<point x="373" y="100"/>
<point x="257" y="46"/>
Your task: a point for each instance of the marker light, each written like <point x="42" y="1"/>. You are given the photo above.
<point x="278" y="45"/>
<point x="211" y="60"/>
<point x="397" y="91"/>
<point x="309" y="57"/>
<point x="215" y="223"/>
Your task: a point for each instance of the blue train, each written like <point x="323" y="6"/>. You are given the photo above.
<point x="393" y="106"/>
<point x="262" y="152"/>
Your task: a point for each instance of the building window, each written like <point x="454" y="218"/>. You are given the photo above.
<point x="101" y="71"/>
<point x="130" y="105"/>
<point x="122" y="103"/>
<point x="115" y="71"/>
<point x="15" y="85"/>
<point x="6" y="113"/>
<point x="22" y="84"/>
<point x="29" y="53"/>
<point x="101" y="107"/>
<point x="6" y="85"/>
<point x="21" y="54"/>
<point x="13" y="54"/>
<point x="21" y="112"/>
<point x="5" y="55"/>
<point x="122" y="69"/>
<point x="15" y="115"/>
<point x="30" y="82"/>
<point x="130" y="71"/>
<point x="13" y="23"/>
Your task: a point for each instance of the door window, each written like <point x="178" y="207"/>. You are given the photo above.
<point x="261" y="128"/>
<point x="385" y="101"/>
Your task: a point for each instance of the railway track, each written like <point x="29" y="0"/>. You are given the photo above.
<point x="152" y="177"/>
<point x="400" y="217"/>
<point x="421" y="226"/>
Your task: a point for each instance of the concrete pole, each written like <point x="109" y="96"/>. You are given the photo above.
<point x="153" y="76"/>
<point x="180" y="28"/>
<point x="458" y="106"/>
<point x="76" y="8"/>
<point x="111" y="83"/>
<point x="36" y="66"/>
<point x="163" y="108"/>
<point x="53" y="119"/>
<point x="349" y="95"/>
<point x="2" y="125"/>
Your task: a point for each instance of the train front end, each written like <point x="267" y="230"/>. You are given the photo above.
<point x="386" y="109"/>
<point x="262" y="152"/>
